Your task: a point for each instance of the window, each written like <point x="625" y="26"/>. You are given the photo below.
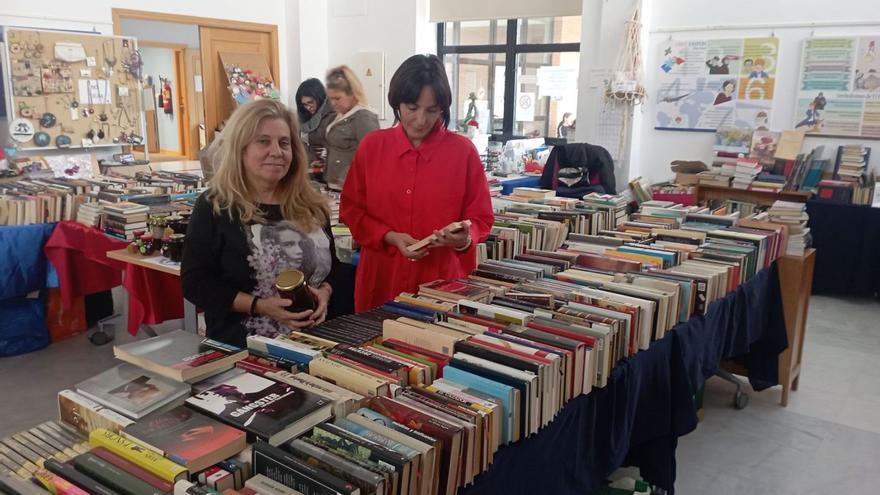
<point x="516" y="77"/>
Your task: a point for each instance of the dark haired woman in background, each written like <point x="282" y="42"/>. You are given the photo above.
<point x="315" y="113"/>
<point x="410" y="181"/>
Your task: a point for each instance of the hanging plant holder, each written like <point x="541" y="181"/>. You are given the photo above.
<point x="627" y="85"/>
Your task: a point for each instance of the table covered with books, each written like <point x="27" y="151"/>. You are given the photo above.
<point x="79" y="254"/>
<point x="541" y="372"/>
<point x="847" y="242"/>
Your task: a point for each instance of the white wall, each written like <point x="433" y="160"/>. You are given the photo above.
<point x="696" y="18"/>
<point x="388" y="26"/>
<point x="160" y="62"/>
<point x="166" y="32"/>
<point x="96" y="15"/>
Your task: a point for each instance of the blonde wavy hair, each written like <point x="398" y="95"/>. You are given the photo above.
<point x="233" y="192"/>
<point x="343" y="79"/>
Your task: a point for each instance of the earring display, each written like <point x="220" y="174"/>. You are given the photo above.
<point x="88" y="81"/>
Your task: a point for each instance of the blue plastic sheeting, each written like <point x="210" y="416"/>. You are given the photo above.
<point x="23" y="266"/>
<point x="22" y="326"/>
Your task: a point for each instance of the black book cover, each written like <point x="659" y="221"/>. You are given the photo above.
<point x="70" y="474"/>
<point x="258" y="405"/>
<point x="286" y="469"/>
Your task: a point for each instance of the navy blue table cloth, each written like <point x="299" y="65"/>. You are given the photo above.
<point x="847" y="242"/>
<point x="648" y="403"/>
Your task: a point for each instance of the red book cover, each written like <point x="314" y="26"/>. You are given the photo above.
<point x="188" y="438"/>
<point x="440" y="360"/>
<point x="586" y="339"/>
<point x="448" y="435"/>
<point x="257" y="365"/>
<point x="133" y="469"/>
<point x="479" y="320"/>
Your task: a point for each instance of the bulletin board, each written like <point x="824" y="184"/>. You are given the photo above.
<point x="69" y="90"/>
<point x="705" y="84"/>
<point x="838" y="90"/>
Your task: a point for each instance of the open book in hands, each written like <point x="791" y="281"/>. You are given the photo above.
<point x="452" y="227"/>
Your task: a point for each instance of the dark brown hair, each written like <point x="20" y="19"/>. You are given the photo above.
<point x="414" y="74"/>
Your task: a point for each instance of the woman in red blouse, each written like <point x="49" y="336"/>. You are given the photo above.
<point x="410" y="181"/>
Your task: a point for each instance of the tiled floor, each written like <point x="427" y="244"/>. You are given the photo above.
<point x="827" y="441"/>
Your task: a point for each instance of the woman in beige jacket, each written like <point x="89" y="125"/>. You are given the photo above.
<point x="353" y="121"/>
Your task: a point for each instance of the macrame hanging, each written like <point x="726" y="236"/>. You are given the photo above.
<point x="628" y="83"/>
<point x="626" y="89"/>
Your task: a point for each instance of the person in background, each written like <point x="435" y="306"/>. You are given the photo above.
<point x="564" y="129"/>
<point x="235" y="245"/>
<point x="411" y="181"/>
<point x="315" y="113"/>
<point x="352" y="122"/>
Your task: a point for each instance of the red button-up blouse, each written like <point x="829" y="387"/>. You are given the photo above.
<point x="394" y="187"/>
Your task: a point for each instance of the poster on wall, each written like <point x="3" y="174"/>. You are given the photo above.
<point x="839" y="87"/>
<point x="707" y="84"/>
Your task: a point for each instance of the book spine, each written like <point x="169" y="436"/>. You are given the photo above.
<point x="286" y="469"/>
<point x="56" y="484"/>
<point x="142" y="456"/>
<point x="112" y="476"/>
<point x="68" y="472"/>
<point x="133" y="469"/>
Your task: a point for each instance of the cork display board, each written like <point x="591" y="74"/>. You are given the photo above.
<point x="69" y="90"/>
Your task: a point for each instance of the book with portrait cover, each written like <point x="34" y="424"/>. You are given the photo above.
<point x="181" y="355"/>
<point x="273" y="411"/>
<point x="188" y="438"/>
<point x="133" y="391"/>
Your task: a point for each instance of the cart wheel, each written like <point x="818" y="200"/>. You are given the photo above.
<point x="740" y="400"/>
<point x="100" y="338"/>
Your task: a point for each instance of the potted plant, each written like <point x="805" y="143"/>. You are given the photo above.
<point x="158" y="224"/>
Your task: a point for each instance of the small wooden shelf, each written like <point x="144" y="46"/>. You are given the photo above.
<point x="705" y="192"/>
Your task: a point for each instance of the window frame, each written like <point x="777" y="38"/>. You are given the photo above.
<point x="510" y="48"/>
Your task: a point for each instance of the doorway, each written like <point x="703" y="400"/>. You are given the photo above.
<point x="202" y="102"/>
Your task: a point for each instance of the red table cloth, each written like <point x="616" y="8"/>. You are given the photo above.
<point x="79" y="255"/>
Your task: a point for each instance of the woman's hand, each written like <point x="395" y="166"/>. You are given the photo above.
<point x="401" y="241"/>
<point x="322" y="297"/>
<point x="276" y="308"/>
<point x="459" y="239"/>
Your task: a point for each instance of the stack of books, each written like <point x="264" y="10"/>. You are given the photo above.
<point x="793" y="215"/>
<point x="852" y="162"/>
<point x="746" y="171"/>
<point x="533" y="193"/>
<point x="90" y="214"/>
<point x="714" y="177"/>
<point x="768" y="182"/>
<point x="123" y="218"/>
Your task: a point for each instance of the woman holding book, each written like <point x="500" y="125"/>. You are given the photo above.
<point x="260" y="217"/>
<point x="410" y="182"/>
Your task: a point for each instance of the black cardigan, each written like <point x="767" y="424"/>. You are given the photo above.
<point x="215" y="268"/>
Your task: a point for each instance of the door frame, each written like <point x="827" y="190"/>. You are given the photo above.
<point x="272" y="29"/>
<point x="179" y="95"/>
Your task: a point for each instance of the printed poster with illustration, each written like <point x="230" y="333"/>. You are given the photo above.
<point x="839" y="87"/>
<point x="707" y="84"/>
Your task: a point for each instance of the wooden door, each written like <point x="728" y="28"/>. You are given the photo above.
<point x="218" y="100"/>
<point x="195" y="97"/>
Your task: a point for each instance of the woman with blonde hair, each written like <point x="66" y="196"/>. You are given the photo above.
<point x="353" y="121"/>
<point x="251" y="225"/>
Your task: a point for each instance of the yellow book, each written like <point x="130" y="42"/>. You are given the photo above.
<point x="138" y="454"/>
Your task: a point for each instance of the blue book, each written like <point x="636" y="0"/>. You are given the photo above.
<point x="410" y="311"/>
<point x="504" y="393"/>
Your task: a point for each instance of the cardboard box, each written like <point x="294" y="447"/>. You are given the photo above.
<point x="686" y="179"/>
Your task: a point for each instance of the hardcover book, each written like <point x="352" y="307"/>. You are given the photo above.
<point x="181" y="355"/>
<point x="188" y="438"/>
<point x="132" y="391"/>
<point x="270" y="410"/>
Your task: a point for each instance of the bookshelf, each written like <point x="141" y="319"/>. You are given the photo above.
<point x="705" y="193"/>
